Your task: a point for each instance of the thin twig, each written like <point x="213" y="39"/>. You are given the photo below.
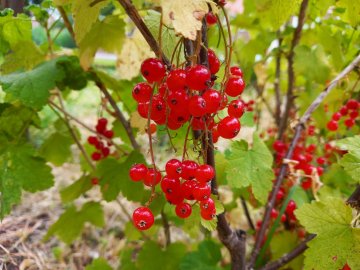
<point x="300" y="126"/>
<point x="277" y="84"/>
<point x="247" y="213"/>
<point x="166" y="227"/>
<point x="288" y="257"/>
<point x="291" y="74"/>
<point x="67" y="23"/>
<point x="260" y="95"/>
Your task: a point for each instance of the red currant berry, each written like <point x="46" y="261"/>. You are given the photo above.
<point x="207" y="205"/>
<point x="234" y="86"/>
<point x="153" y="70"/>
<point x="94" y="181"/>
<point x="152" y="178"/>
<point x="350" y="122"/>
<point x="183" y="210"/>
<point x="174" y="197"/>
<point x="143" y="218"/>
<point x="170" y="185"/>
<point x="96" y="156"/>
<point x="279" y="146"/>
<point x="354" y="114"/>
<point x="198" y="77"/>
<point x="105" y="151"/>
<point x="283" y="218"/>
<point x="102" y="122"/>
<point x="280" y="195"/>
<point x="189" y="169"/>
<point x="224" y="102"/>
<point x="202" y="123"/>
<point x="343" y="110"/>
<point x="197" y="106"/>
<point x="320" y="170"/>
<point x="158" y="108"/>
<point x="163" y="89"/>
<point x="215" y="135"/>
<point x="336" y="116"/>
<point x="143" y="109"/>
<point x="152" y="128"/>
<point x="93" y="140"/>
<point x="142" y="92"/>
<point x="187" y="189"/>
<point x="306" y="183"/>
<point x="236" y="71"/>
<point x="229" y="127"/>
<point x="222" y="2"/>
<point x="173" y="168"/>
<point x="202" y="191"/>
<point x="210" y="19"/>
<point x="290" y="208"/>
<point x="311" y="148"/>
<point x="204" y="173"/>
<point x="208" y="215"/>
<point x="173" y="125"/>
<point x="213" y="100"/>
<point x="176" y="80"/>
<point x="179" y="116"/>
<point x="214" y="62"/>
<point x="109" y="134"/>
<point x="321" y="160"/>
<point x="332" y="125"/>
<point x="352" y="104"/>
<point x="274" y="213"/>
<point x="178" y="100"/>
<point x="236" y="108"/>
<point x="138" y="172"/>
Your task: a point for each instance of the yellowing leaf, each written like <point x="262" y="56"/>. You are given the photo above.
<point x="61" y="2"/>
<point x="136" y="121"/>
<point x="185" y="16"/>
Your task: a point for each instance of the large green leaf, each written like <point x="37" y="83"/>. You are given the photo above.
<point x="352" y="13"/>
<point x="351" y="160"/>
<point x="251" y="167"/>
<point x="336" y="242"/>
<point x="71" y="223"/>
<point x="99" y="264"/>
<point x="76" y="189"/>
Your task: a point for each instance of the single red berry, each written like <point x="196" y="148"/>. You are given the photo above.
<point x="215" y="134"/>
<point x="258" y="224"/>
<point x="179" y="116"/>
<point x="234" y="86"/>
<point x="96" y="156"/>
<point x="152" y="128"/>
<point x="207" y="205"/>
<point x="332" y="125"/>
<point x="143" y="109"/>
<point x="214" y="62"/>
<point x="229" y="127"/>
<point x="208" y="215"/>
<point x="142" y="92"/>
<point x="350" y="122"/>
<point x="109" y="134"/>
<point x="343" y="110"/>
<point x="174" y="197"/>
<point x="197" y="106"/>
<point x="202" y="123"/>
<point x="204" y="173"/>
<point x="290" y="208"/>
<point x="102" y="122"/>
<point x="152" y="178"/>
<point x="153" y="70"/>
<point x="183" y="210"/>
<point x="274" y="213"/>
<point x="188" y="170"/>
<point x="105" y="151"/>
<point x="306" y="183"/>
<point x="224" y="102"/>
<point x="94" y="181"/>
<point x="93" y="140"/>
<point x="283" y="218"/>
<point x="176" y="80"/>
<point x="99" y="145"/>
<point x="163" y="89"/>
<point x="210" y="19"/>
<point x="236" y="71"/>
<point x="170" y="185"/>
<point x="173" y="125"/>
<point x="178" y="100"/>
<point x="280" y="195"/>
<point x="213" y="100"/>
<point x="321" y="160"/>
<point x="198" y="77"/>
<point x="311" y="130"/>
<point x="279" y="146"/>
<point x="202" y="191"/>
<point x="222" y="2"/>
<point x="187" y="189"/>
<point x="236" y="108"/>
<point x="336" y="116"/>
<point x="320" y="170"/>
<point x="354" y="114"/>
<point x="311" y="148"/>
<point x="352" y="104"/>
<point x="173" y="168"/>
<point x="100" y="128"/>
<point x="138" y="172"/>
<point x="143" y="218"/>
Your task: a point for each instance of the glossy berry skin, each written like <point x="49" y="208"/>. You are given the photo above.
<point x="336" y="116"/>
<point x="105" y="151"/>
<point x="153" y="70"/>
<point x="142" y="92"/>
<point x="234" y="86"/>
<point x="198" y="77"/>
<point x="306" y="183"/>
<point x="236" y="71"/>
<point x="202" y="192"/>
<point x="229" y="127"/>
<point x="280" y="195"/>
<point x="236" y="108"/>
<point x="343" y="110"/>
<point x="213" y="100"/>
<point x="187" y="189"/>
<point x="183" y="210"/>
<point x="152" y="177"/>
<point x="178" y="100"/>
<point x="189" y="169"/>
<point x="138" y="172"/>
<point x="290" y="208"/>
<point x="173" y="168"/>
<point x="207" y="205"/>
<point x="208" y="215"/>
<point x="283" y="218"/>
<point x="274" y="213"/>
<point x="214" y="62"/>
<point x="96" y="156"/>
<point x="197" y="106"/>
<point x="332" y="125"/>
<point x="109" y="134"/>
<point x="143" y="109"/>
<point x="93" y="140"/>
<point x="170" y="185"/>
<point x="224" y="102"/>
<point x="352" y="104"/>
<point x="321" y="160"/>
<point x="176" y="80"/>
<point x="354" y="114"/>
<point x="205" y="173"/>
<point x="350" y="122"/>
<point x="158" y="108"/>
<point x="210" y="19"/>
<point x="143" y="218"/>
<point x="175" y="197"/>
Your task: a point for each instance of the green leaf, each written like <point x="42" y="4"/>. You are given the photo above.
<point x="152" y="257"/>
<point x="352" y="11"/>
<point x="32" y="87"/>
<point x="351" y="144"/>
<point x="107" y="34"/>
<point x="20" y="169"/>
<point x="71" y="223"/>
<point x="206" y="258"/>
<point x="56" y="148"/>
<point x="336" y="242"/>
<point x="76" y="189"/>
<point x="99" y="264"/>
<point x="351" y="161"/>
<point x="114" y="178"/>
<point x="74" y="76"/>
<point x="251" y="167"/>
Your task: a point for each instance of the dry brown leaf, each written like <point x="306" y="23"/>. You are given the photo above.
<point x="137" y="121"/>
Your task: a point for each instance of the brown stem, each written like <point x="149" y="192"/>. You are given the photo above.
<point x="300" y="126"/>
<point x="247" y="213"/>
<point x="260" y="95"/>
<point x="119" y="115"/>
<point x="291" y="74"/>
<point x="134" y="15"/>
<point x="166" y="227"/>
<point x="288" y="257"/>
<point x="277" y="85"/>
<point x="67" y="23"/>
<point x="354" y="199"/>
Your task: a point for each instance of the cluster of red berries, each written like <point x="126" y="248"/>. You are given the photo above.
<point x="186" y="180"/>
<point x="99" y="142"/>
<point x="351" y="108"/>
<point x="185" y="95"/>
